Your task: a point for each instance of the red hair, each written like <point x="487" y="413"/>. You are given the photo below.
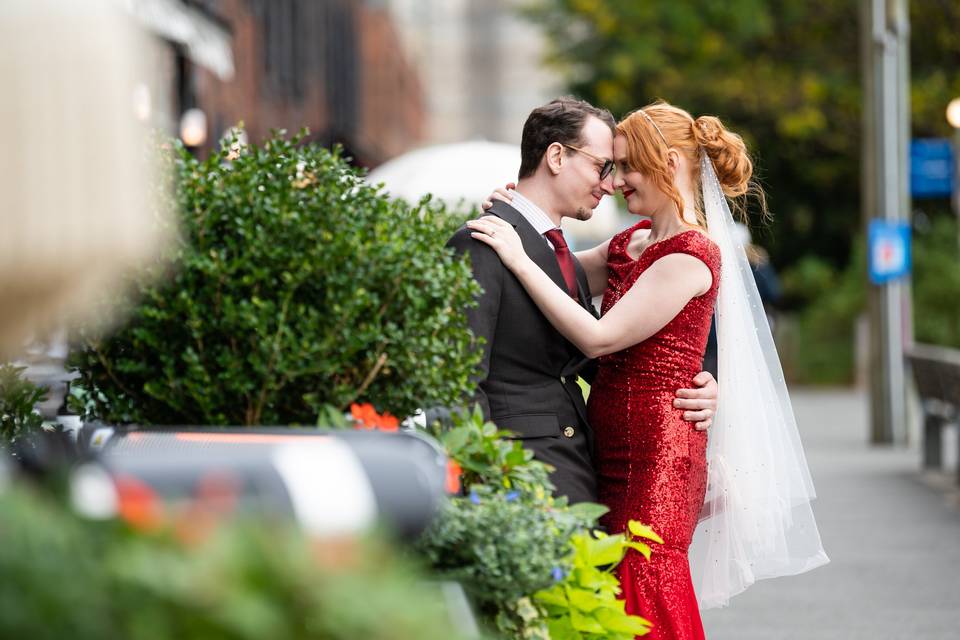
<point x="652" y="131"/>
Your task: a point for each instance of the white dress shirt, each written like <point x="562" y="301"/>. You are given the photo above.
<point x="534" y="215"/>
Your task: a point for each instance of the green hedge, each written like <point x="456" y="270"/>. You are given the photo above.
<point x="817" y="341"/>
<point x="295" y="285"/>
<point x="936" y="284"/>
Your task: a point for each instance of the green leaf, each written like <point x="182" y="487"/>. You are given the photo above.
<point x="640" y="547"/>
<point x="562" y="629"/>
<point x="552" y="596"/>
<point x="643" y="531"/>
<point x="607" y="550"/>
<point x="515" y="458"/>
<point x="588" y="511"/>
<point x="455" y="439"/>
<point x="582" y="599"/>
<point x="526" y="610"/>
<point x="584" y="622"/>
<point x="622" y="623"/>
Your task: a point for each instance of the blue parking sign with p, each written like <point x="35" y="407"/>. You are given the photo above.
<point x="889" y="250"/>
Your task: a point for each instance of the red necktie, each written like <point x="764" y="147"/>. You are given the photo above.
<point x="565" y="258"/>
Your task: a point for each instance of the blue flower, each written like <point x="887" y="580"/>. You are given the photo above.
<point x="558" y="574"/>
<point x="511" y="496"/>
<point x="474" y="498"/>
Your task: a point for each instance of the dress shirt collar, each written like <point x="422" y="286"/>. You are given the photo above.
<point x="533" y="214"/>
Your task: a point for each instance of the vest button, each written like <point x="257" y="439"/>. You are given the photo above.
<point x="569" y="431"/>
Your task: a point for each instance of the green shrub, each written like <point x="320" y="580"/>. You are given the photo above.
<point x="936" y="282"/>
<point x="503" y="546"/>
<point x="507" y="538"/>
<point x="295" y="284"/>
<point x="18" y="397"/>
<point x="817" y="342"/>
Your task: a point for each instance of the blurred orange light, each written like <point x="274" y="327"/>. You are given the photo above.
<point x="953" y="113"/>
<point x="193" y="127"/>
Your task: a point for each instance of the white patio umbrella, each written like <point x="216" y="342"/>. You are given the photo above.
<point x="463" y="174"/>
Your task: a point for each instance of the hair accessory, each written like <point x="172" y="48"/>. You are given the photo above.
<point x="650" y="120"/>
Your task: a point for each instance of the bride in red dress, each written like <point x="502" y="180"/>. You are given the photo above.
<point x="660" y="279"/>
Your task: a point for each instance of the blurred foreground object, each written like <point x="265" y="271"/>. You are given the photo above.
<point x="468" y="172"/>
<point x="209" y="577"/>
<point x="333" y="483"/>
<point x="75" y="172"/>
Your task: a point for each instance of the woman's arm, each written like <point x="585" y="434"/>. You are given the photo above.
<point x="657" y="296"/>
<point x="594" y="262"/>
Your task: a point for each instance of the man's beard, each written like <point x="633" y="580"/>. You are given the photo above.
<point x="584" y="214"/>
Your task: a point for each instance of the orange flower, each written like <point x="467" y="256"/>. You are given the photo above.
<point x="366" y="418"/>
<point x="137" y="504"/>
<point x="454" y="472"/>
<point x="389" y="422"/>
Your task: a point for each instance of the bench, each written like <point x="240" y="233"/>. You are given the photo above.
<point x="937" y="374"/>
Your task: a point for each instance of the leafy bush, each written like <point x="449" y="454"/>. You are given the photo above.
<point x="817" y="342"/>
<point x="503" y="546"/>
<point x="296" y="284"/>
<point x="513" y="546"/>
<point x="936" y="282"/>
<point x="66" y="577"/>
<point x="18" y="397"/>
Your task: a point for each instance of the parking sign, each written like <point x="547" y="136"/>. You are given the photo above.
<point x="889" y="250"/>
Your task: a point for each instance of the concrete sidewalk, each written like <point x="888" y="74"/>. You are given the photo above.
<point x="893" y="540"/>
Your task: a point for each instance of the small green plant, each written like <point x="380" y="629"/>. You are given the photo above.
<point x="503" y="546"/>
<point x="584" y="604"/>
<point x="487" y="456"/>
<point x="18" y="397"/>
<point x="295" y="284"/>
<point x="507" y="538"/>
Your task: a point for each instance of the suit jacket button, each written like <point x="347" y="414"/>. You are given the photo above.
<point x="563" y="379"/>
<point x="569" y="431"/>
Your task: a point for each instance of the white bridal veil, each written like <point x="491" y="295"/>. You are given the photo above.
<point x="756" y="521"/>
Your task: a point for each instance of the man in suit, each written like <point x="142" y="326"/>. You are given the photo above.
<point x="528" y="378"/>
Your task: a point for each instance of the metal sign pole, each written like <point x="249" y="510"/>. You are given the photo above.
<point x="885" y="29"/>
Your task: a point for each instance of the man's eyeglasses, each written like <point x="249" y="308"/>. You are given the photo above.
<point x="608" y="165"/>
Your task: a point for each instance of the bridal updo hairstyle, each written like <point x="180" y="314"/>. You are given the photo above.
<point x="647" y="153"/>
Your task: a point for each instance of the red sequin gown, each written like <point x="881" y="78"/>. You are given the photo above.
<point x="651" y="464"/>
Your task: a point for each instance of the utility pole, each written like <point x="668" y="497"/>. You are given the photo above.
<point x="885" y="41"/>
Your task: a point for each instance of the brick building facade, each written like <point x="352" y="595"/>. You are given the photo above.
<point x="334" y="66"/>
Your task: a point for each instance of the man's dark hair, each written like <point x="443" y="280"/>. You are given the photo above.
<point x="561" y="120"/>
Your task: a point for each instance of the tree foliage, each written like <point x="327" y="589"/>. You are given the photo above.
<point x="18" y="397"/>
<point x="785" y="74"/>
